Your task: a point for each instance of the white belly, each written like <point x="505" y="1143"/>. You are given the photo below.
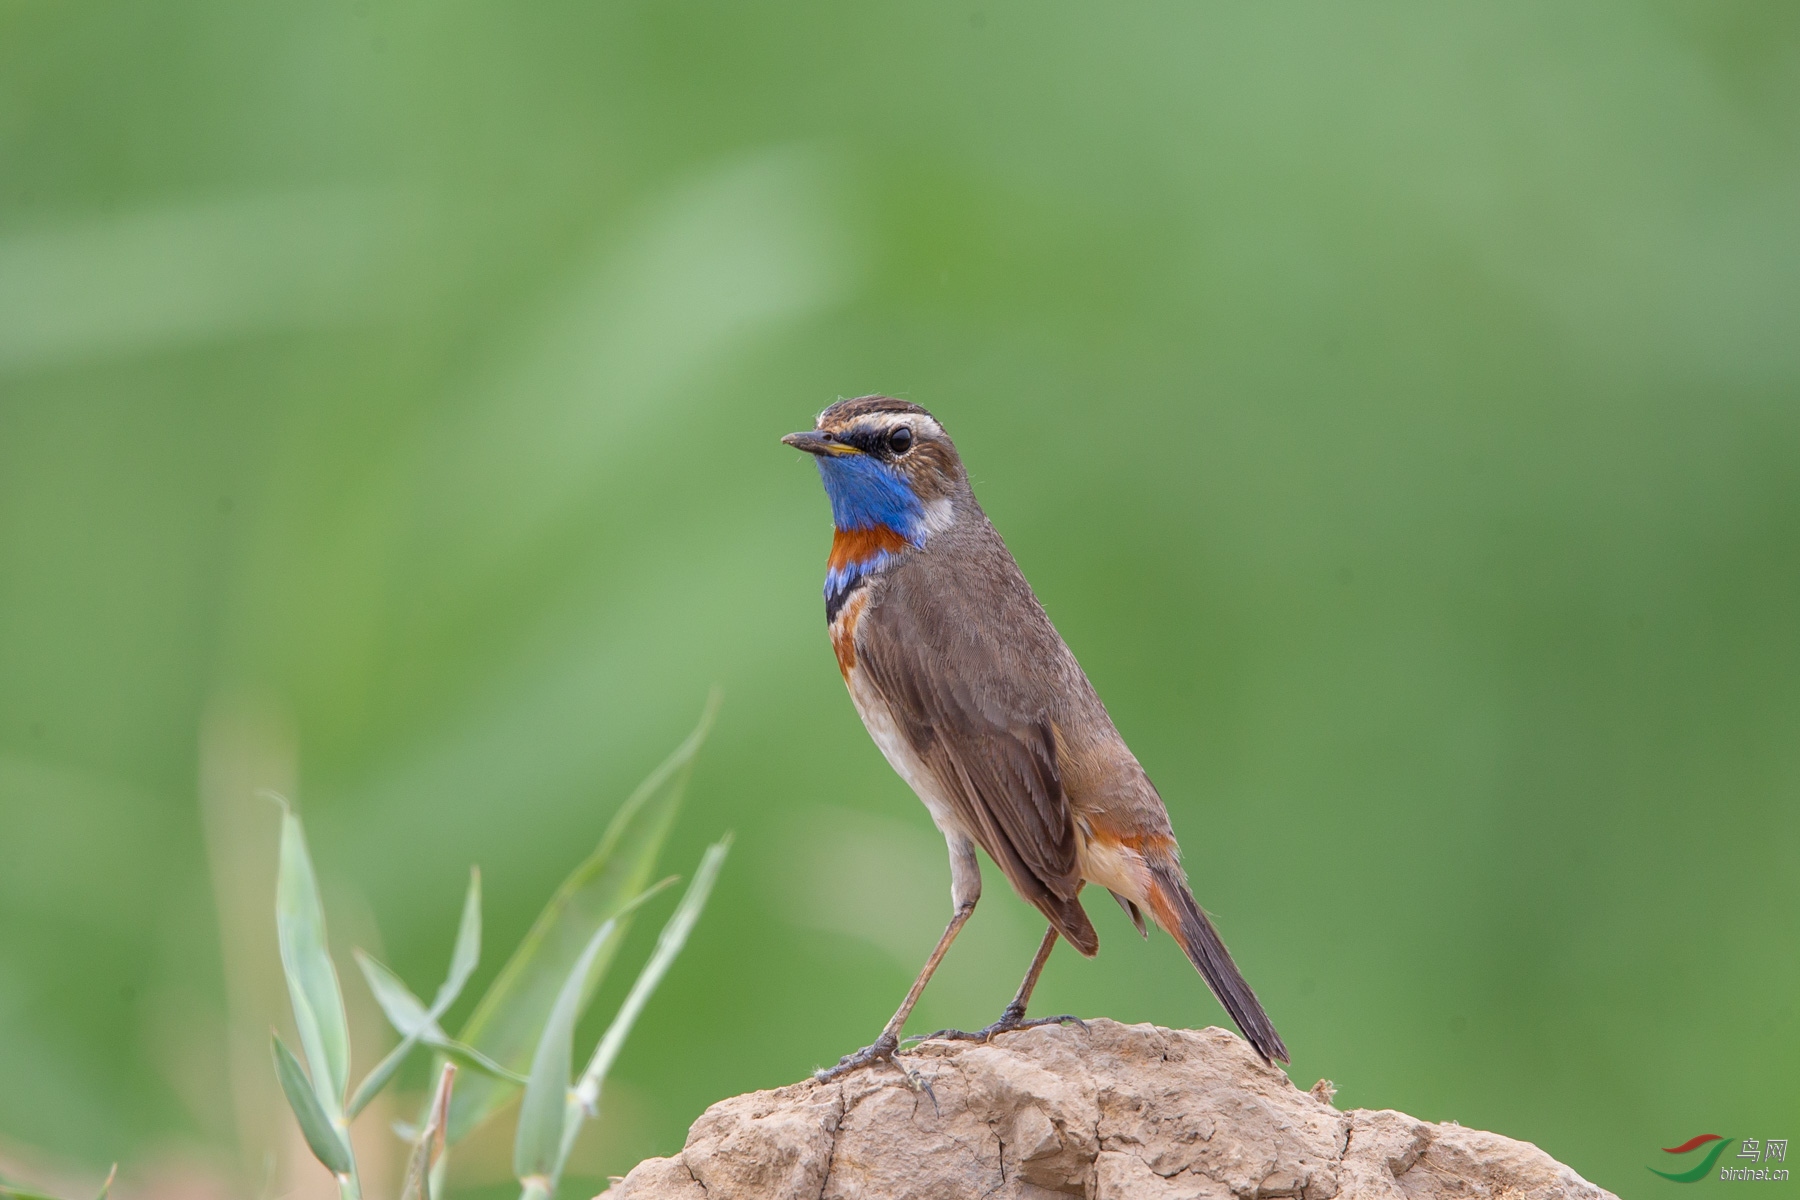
<point x="894" y="747"/>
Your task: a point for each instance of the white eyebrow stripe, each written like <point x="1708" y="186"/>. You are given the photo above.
<point x="893" y="420"/>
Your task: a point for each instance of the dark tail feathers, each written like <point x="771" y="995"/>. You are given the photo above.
<point x="1176" y="910"/>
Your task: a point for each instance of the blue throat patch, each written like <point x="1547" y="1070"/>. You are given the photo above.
<point x="865" y="493"/>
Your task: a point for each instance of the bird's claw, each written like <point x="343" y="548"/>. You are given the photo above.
<point x="883" y="1048"/>
<point x="1006" y="1024"/>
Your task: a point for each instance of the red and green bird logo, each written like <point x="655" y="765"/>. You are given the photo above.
<point x="1706" y="1164"/>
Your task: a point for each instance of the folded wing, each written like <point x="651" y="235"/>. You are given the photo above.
<point x="991" y="749"/>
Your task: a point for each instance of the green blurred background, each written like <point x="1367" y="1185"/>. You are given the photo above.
<point x="1396" y="408"/>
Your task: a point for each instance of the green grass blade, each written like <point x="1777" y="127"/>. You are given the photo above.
<point x="405" y="1011"/>
<point x="537" y="1144"/>
<point x="467" y="954"/>
<point x="377" y="1079"/>
<point x="328" y="1146"/>
<point x="474" y="1059"/>
<point x="467" y="1056"/>
<point x="668" y="944"/>
<point x="111" y="1178"/>
<point x="305" y="959"/>
<point x="409" y="1016"/>
<point x="506" y="1023"/>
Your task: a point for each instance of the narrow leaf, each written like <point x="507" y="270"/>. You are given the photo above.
<point x="377" y="1079"/>
<point x="538" y="1143"/>
<point x="405" y="1011"/>
<point x="506" y="1023"/>
<point x="668" y="944"/>
<point x="475" y="1060"/>
<point x="111" y="1177"/>
<point x="409" y="1016"/>
<point x="467" y="954"/>
<point x="305" y="959"/>
<point x="468" y="1056"/>
<point x="327" y="1146"/>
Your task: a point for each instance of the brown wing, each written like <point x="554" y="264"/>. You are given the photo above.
<point x="957" y="677"/>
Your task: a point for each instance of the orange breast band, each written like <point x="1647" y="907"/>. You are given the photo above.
<point x="851" y="548"/>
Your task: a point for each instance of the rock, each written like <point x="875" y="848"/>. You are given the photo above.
<point x="1112" y="1112"/>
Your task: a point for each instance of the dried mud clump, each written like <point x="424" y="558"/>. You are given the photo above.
<point x="1112" y="1112"/>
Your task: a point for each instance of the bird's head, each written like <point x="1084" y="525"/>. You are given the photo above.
<point x="885" y="462"/>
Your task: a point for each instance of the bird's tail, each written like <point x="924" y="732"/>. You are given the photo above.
<point x="1174" y="908"/>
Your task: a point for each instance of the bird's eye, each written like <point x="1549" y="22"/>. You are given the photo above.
<point x="900" y="441"/>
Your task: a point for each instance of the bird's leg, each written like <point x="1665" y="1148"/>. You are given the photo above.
<point x="884" y="1046"/>
<point x="1015" y="1012"/>
<point x="1014" y="1015"/>
<point x="965" y="890"/>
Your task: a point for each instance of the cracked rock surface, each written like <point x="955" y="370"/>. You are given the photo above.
<point x="1115" y="1112"/>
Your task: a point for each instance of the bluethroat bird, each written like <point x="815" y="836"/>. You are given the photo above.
<point x="974" y="699"/>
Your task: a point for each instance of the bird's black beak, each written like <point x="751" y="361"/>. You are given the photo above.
<point x="814" y="442"/>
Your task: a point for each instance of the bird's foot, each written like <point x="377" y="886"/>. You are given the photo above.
<point x="881" y="1050"/>
<point x="1009" y="1021"/>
